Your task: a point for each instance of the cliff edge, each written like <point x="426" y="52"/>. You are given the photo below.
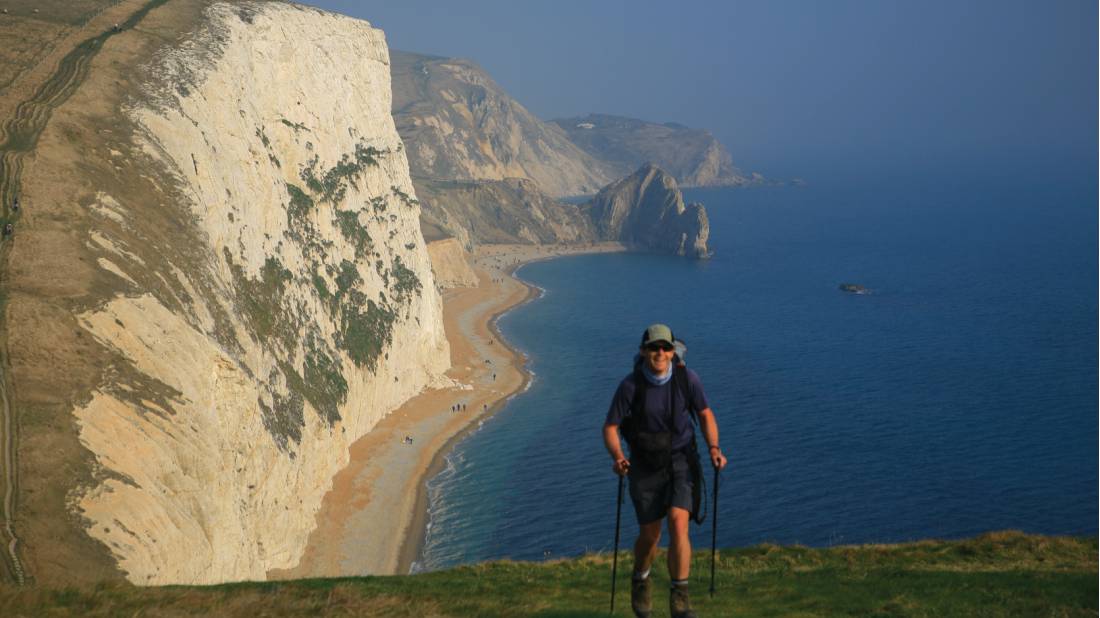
<point x="210" y="293"/>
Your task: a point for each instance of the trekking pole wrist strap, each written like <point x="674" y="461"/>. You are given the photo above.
<point x="715" y="448"/>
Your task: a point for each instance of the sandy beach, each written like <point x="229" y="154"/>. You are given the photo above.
<point x="373" y="519"/>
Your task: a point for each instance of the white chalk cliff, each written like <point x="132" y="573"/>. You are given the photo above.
<point x="313" y="314"/>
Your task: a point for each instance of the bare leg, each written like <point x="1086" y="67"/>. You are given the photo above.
<point x="645" y="548"/>
<point x="679" y="549"/>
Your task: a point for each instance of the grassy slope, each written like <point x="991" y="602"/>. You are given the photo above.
<point x="998" y="574"/>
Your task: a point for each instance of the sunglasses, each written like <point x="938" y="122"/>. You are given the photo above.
<point x="660" y="345"/>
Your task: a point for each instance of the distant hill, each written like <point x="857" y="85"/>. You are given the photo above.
<point x="458" y="124"/>
<point x="487" y="170"/>
<point x="693" y="156"/>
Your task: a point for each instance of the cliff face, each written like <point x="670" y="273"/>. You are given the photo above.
<point x="486" y="168"/>
<point x="460" y="125"/>
<point x="238" y="282"/>
<point x="646" y="210"/>
<point x="693" y="156"/>
<point x="504" y="211"/>
<point x="451" y="264"/>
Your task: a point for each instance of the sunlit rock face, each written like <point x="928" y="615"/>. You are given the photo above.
<point x="451" y="264"/>
<point x="291" y="310"/>
<point x="460" y="125"/>
<point x="646" y="211"/>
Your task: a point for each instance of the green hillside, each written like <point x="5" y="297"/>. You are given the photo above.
<point x="997" y="574"/>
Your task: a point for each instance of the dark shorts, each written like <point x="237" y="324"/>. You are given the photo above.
<point x="653" y="491"/>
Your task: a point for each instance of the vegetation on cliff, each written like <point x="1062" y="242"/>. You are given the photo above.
<point x="363" y="326"/>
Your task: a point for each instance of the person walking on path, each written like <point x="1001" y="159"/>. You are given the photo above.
<point x="653" y="408"/>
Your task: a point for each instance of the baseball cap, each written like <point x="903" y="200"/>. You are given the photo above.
<point x="657" y="332"/>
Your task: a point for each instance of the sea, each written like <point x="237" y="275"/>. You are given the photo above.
<point x="958" y="396"/>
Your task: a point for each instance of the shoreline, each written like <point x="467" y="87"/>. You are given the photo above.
<point x="374" y="518"/>
<point x="415" y="535"/>
<point x="413" y="543"/>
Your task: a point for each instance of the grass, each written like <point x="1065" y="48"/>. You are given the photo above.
<point x="348" y="222"/>
<point x="998" y="574"/>
<point x="261" y="300"/>
<point x="332" y="185"/>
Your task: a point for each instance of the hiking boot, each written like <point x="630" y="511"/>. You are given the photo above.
<point x="678" y="603"/>
<point x="640" y="600"/>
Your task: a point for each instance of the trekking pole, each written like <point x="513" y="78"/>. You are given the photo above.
<point x="714" y="532"/>
<point x="615" y="556"/>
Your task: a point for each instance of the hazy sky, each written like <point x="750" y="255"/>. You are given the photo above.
<point x="784" y="82"/>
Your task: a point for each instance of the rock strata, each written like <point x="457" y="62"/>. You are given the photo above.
<point x="460" y="125"/>
<point x="235" y="268"/>
<point x="646" y="211"/>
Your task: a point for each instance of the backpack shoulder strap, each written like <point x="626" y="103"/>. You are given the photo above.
<point x="637" y="403"/>
<point x="680" y="379"/>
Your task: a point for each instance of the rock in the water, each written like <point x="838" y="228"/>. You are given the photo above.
<point x="854" y="288"/>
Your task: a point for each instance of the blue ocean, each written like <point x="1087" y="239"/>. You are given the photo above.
<point x="959" y="396"/>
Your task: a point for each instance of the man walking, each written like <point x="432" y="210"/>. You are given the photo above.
<point x="653" y="407"/>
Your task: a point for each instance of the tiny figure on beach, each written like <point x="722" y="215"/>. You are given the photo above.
<point x="494" y="377"/>
<point x="408" y="440"/>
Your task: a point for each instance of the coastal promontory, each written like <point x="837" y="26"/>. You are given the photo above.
<point x="646" y="211"/>
<point x="694" y="157"/>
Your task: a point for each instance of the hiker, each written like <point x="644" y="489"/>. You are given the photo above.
<point x="8" y="229"/>
<point x="654" y="407"/>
